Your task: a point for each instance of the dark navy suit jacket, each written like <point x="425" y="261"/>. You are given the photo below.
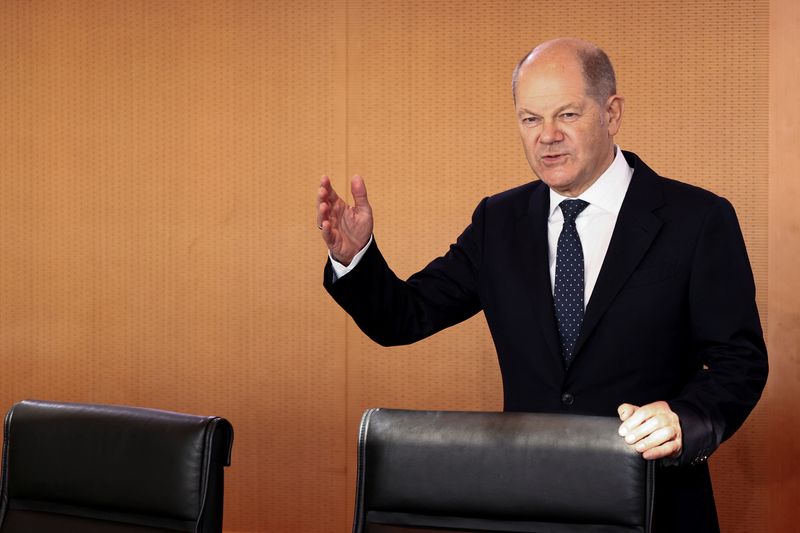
<point x="672" y="317"/>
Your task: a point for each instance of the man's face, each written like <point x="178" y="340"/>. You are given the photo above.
<point x="568" y="136"/>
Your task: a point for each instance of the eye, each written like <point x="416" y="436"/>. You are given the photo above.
<point x="530" y="121"/>
<point x="569" y="116"/>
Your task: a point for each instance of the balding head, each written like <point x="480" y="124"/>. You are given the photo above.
<point x="598" y="73"/>
<point x="568" y="113"/>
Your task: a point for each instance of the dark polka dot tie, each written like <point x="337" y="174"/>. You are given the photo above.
<point x="568" y="290"/>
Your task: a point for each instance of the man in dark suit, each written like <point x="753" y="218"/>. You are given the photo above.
<point x="607" y="288"/>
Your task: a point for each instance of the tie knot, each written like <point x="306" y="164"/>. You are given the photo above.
<point x="572" y="208"/>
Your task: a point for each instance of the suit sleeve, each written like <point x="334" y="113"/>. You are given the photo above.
<point x="727" y="339"/>
<point x="394" y="312"/>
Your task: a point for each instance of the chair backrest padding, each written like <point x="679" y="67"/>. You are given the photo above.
<point x="103" y="462"/>
<point x="523" y="467"/>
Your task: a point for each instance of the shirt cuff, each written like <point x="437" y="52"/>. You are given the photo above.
<point x="339" y="270"/>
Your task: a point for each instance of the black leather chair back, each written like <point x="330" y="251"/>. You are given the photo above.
<point x="524" y="472"/>
<point x="105" y="469"/>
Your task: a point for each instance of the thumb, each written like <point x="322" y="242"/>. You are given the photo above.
<point x="359" y="190"/>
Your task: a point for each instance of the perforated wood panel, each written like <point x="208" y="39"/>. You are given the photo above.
<point x="781" y="476"/>
<point x="158" y="163"/>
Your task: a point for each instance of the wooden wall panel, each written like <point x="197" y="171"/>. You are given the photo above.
<point x="780" y="480"/>
<point x="158" y="162"/>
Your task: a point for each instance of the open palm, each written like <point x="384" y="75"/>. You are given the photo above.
<point x="345" y="229"/>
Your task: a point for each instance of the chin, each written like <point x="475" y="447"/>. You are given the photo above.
<point x="557" y="182"/>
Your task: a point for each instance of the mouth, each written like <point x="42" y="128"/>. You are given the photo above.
<point x="553" y="159"/>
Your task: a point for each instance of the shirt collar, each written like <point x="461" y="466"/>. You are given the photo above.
<point x="608" y="191"/>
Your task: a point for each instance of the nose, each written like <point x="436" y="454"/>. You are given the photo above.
<point x="550" y="133"/>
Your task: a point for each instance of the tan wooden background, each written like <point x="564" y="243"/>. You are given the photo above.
<point x="158" y="165"/>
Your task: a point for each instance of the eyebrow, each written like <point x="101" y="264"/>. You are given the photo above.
<point x="526" y="111"/>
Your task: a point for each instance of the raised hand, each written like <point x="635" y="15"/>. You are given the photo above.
<point x="345" y="229"/>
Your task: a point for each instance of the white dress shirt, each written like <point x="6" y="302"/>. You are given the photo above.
<point x="595" y="224"/>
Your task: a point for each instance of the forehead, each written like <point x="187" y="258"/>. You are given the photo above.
<point x="549" y="82"/>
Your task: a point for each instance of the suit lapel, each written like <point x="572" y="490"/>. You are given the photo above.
<point x="531" y="234"/>
<point x="633" y="234"/>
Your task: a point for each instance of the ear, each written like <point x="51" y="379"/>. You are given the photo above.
<point x="614" y="108"/>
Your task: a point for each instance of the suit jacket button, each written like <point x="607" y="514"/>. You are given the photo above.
<point x="567" y="399"/>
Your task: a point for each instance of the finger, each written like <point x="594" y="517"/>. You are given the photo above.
<point x="322" y="195"/>
<point x="639" y="415"/>
<point x="327" y="234"/>
<point x="359" y="190"/>
<point x="326" y="191"/>
<point x="625" y="410"/>
<point x="645" y="412"/>
<point x="322" y="208"/>
<point x="644" y="430"/>
<point x="669" y="448"/>
<point x="325" y="188"/>
<point x="326" y="225"/>
<point x="656" y="438"/>
<point x="324" y="215"/>
<point x="666" y="450"/>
